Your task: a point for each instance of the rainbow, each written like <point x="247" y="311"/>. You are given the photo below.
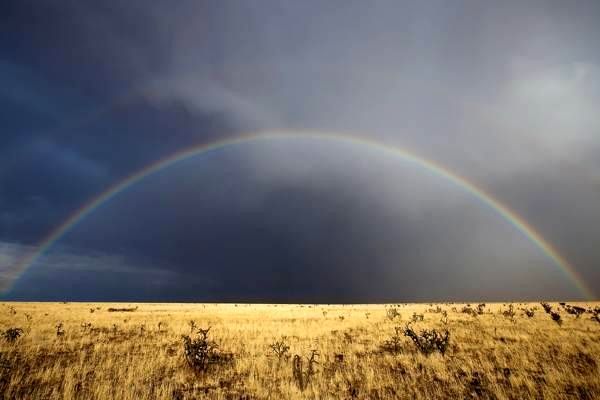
<point x="504" y="211"/>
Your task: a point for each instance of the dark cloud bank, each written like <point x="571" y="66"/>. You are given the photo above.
<point x="504" y="94"/>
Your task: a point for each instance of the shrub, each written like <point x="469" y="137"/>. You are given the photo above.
<point x="556" y="317"/>
<point x="444" y="319"/>
<point x="509" y="313"/>
<point x="417" y="317"/>
<point x="529" y="312"/>
<point x="468" y="310"/>
<point x="481" y="308"/>
<point x="547" y="307"/>
<point x="436" y="310"/>
<point x="12" y="334"/>
<point x="429" y="340"/>
<point x="302" y="374"/>
<point x="201" y="352"/>
<point x="131" y="309"/>
<point x="595" y="314"/>
<point x="394" y="343"/>
<point x="280" y="349"/>
<point x="60" y="329"/>
<point x="574" y="310"/>
<point x="392" y="314"/>
<point x="192" y="325"/>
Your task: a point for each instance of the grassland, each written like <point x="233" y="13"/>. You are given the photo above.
<point x="136" y="351"/>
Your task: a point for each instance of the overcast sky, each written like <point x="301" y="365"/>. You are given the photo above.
<point x="505" y="94"/>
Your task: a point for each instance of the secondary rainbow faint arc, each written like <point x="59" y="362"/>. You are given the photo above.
<point x="437" y="169"/>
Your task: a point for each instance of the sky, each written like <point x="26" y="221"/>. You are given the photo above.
<point x="503" y="94"/>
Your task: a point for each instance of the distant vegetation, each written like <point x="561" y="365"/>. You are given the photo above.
<point x="186" y="351"/>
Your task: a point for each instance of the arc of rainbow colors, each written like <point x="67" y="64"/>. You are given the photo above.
<point x="504" y="211"/>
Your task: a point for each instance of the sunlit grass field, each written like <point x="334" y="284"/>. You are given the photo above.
<point x="136" y="351"/>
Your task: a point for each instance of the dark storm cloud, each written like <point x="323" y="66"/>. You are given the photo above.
<point x="505" y="94"/>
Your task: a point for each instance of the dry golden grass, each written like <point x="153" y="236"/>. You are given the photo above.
<point x="126" y="355"/>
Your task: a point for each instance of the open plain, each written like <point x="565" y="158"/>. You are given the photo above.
<point x="399" y="351"/>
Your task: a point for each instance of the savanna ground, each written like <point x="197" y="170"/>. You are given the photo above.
<point x="136" y="351"/>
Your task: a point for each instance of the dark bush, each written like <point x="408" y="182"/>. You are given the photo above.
<point x="131" y="309"/>
<point x="303" y="374"/>
<point x="280" y="349"/>
<point x="12" y="334"/>
<point x="394" y="343"/>
<point x="429" y="340"/>
<point x="392" y="314"/>
<point x="201" y="352"/>
<point x="574" y="310"/>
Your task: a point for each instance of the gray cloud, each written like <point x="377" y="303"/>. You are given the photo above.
<point x="504" y="94"/>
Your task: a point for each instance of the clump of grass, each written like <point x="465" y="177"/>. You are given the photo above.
<point x="429" y="340"/>
<point x="12" y="334"/>
<point x="304" y="373"/>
